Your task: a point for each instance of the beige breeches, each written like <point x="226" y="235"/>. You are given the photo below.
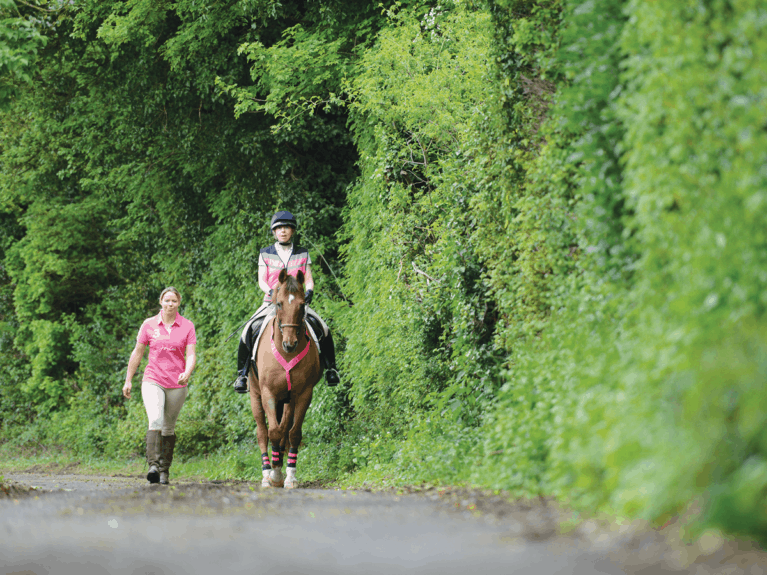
<point x="162" y="405"/>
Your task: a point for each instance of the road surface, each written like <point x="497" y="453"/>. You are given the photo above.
<point x="122" y="525"/>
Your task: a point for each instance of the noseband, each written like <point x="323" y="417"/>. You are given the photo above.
<point x="281" y="325"/>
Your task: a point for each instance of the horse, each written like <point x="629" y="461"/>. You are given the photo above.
<point x="281" y="387"/>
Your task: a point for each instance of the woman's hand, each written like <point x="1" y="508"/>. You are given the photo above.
<point x="133" y="363"/>
<point x="191" y="361"/>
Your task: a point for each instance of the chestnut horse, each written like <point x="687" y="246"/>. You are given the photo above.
<point x="288" y="366"/>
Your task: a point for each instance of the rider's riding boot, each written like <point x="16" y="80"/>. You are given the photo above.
<point x="328" y="353"/>
<point x="166" y="457"/>
<point x="243" y="360"/>
<point x="331" y="376"/>
<point x="153" y="441"/>
<point x="243" y="356"/>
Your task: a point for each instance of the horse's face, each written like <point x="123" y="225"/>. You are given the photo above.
<point x="288" y="298"/>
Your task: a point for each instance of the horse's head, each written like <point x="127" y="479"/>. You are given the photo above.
<point x="288" y="298"/>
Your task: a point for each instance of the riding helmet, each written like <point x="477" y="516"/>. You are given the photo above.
<point x="283" y="218"/>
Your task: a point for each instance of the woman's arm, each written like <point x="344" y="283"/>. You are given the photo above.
<point x="133" y="363"/>
<point x="308" y="279"/>
<point x="191" y="360"/>
<point x="262" y="279"/>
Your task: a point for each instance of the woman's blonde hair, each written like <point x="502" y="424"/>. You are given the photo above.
<point x="170" y="289"/>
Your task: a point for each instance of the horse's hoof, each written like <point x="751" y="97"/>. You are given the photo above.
<point x="273" y="483"/>
<point x="276" y="478"/>
<point x="290" y="480"/>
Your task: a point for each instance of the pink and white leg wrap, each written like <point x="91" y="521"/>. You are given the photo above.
<point x="290" y="481"/>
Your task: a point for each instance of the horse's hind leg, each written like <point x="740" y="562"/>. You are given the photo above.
<point x="295" y="435"/>
<point x="261" y="430"/>
<point x="284" y="417"/>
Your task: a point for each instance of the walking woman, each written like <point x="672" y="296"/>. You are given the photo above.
<point x="171" y="340"/>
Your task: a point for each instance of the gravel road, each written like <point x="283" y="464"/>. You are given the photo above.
<point x="121" y="525"/>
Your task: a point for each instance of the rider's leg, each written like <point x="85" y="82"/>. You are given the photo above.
<point x="327" y="350"/>
<point x="328" y="354"/>
<point x="243" y="359"/>
<point x="245" y="350"/>
<point x="243" y="362"/>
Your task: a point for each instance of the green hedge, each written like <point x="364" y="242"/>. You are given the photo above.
<point x="642" y="393"/>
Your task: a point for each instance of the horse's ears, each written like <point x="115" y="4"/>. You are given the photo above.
<point x="283" y="276"/>
<point x="300" y="276"/>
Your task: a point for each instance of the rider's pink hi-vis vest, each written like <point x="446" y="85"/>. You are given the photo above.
<point x="298" y="261"/>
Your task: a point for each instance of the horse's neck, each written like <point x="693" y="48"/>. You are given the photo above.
<point x="276" y="333"/>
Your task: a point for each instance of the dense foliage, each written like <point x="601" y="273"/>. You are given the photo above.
<point x="538" y="231"/>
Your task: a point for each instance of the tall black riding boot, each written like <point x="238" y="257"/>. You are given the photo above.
<point x="328" y="357"/>
<point x="243" y="362"/>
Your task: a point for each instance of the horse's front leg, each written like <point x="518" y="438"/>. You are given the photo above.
<point x="262" y="432"/>
<point x="268" y="400"/>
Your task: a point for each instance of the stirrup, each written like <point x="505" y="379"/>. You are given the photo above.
<point x="331" y="377"/>
<point x="241" y="384"/>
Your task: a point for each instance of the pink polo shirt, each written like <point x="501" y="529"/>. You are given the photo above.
<point x="167" y="350"/>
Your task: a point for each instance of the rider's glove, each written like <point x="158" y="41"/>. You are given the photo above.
<point x="308" y="296"/>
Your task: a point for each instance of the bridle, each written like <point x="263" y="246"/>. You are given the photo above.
<point x="281" y="325"/>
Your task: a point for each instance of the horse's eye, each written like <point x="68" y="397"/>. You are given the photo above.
<point x="279" y="305"/>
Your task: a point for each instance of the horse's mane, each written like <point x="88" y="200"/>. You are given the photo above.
<point x="292" y="285"/>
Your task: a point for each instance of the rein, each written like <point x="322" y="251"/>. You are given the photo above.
<point x="287" y="366"/>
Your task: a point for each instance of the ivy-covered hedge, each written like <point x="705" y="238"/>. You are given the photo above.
<point x="643" y="392"/>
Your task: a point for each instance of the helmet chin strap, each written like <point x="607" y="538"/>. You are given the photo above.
<point x="285" y="244"/>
